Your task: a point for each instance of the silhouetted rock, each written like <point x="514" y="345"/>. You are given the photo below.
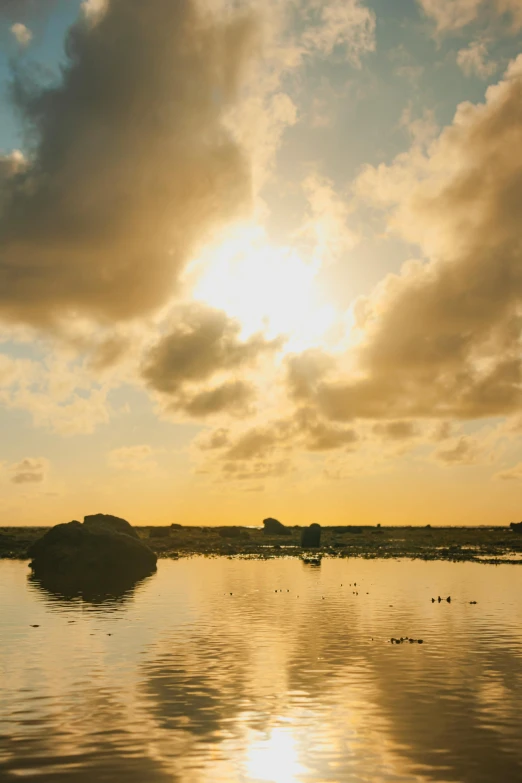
<point x="175" y="526"/>
<point x="315" y="561"/>
<point x="232" y="532"/>
<point x="90" y="554"/>
<point x="159" y="532"/>
<point x="117" y="524"/>
<point x="272" y="527"/>
<point x="311" y="536"/>
<point x="516" y="527"/>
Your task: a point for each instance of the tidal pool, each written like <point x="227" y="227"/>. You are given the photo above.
<point x="237" y="671"/>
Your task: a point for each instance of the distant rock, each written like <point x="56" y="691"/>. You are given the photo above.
<point x="315" y="561"/>
<point x="159" y="532"/>
<point x="311" y="536"/>
<point x="232" y="532"/>
<point x="272" y="527"/>
<point x="117" y="524"/>
<point x="516" y="527"/>
<point x="91" y="554"/>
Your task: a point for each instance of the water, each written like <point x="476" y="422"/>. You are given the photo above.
<point x="205" y="674"/>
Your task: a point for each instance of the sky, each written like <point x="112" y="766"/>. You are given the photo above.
<point x="261" y="258"/>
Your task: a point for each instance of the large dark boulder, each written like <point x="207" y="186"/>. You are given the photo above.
<point x="90" y="554"/>
<point x="516" y="527"/>
<point x="117" y="524"/>
<point x="311" y="536"/>
<point x="272" y="527"/>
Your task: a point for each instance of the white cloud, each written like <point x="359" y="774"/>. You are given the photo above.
<point x="344" y="24"/>
<point x="22" y="34"/>
<point x="453" y="15"/>
<point x="473" y="60"/>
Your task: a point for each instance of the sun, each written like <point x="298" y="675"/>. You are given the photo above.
<point x="266" y="287"/>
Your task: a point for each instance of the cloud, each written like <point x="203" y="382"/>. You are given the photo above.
<point x="265" y="449"/>
<point x="473" y="60"/>
<point x="216" y="439"/>
<point x="442" y="338"/>
<point x="202" y="341"/>
<point x="305" y="371"/>
<point x="396" y="430"/>
<point x="131" y="165"/>
<point x="94" y="10"/>
<point x="22" y="34"/>
<point x="201" y="344"/>
<point x="327" y="221"/>
<point x="108" y="352"/>
<point x="346" y="25"/>
<point x="267" y="109"/>
<point x="57" y="395"/>
<point x="512" y="474"/>
<point x="31" y="470"/>
<point x="255" y="470"/>
<point x="135" y="459"/>
<point x="234" y="397"/>
<point x="461" y="451"/>
<point x="453" y="15"/>
<point x="314" y="434"/>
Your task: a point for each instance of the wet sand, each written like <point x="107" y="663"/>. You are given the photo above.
<point x="483" y="544"/>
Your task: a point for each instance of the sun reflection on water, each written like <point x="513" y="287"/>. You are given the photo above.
<point x="274" y="759"/>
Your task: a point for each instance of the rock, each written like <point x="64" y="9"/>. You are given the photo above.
<point x="117" y="524"/>
<point x="175" y="526"/>
<point x="272" y="527"/>
<point x="315" y="561"/>
<point x="516" y="527"/>
<point x="311" y="536"/>
<point x="90" y="555"/>
<point x="232" y="532"/>
<point x="159" y="532"/>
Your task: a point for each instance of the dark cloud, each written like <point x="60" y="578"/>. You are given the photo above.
<point x="462" y="451"/>
<point x="201" y="344"/>
<point x="216" y="439"/>
<point x="305" y="371"/>
<point x="258" y="469"/>
<point x="234" y="397"/>
<point x="202" y="341"/>
<point x="257" y="442"/>
<point x="318" y="435"/>
<point x="129" y="164"/>
<point x="265" y="451"/>
<point x="396" y="430"/>
<point x="29" y="471"/>
<point x="108" y="352"/>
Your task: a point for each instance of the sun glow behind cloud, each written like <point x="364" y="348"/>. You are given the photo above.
<point x="266" y="287"/>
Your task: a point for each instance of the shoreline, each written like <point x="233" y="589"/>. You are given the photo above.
<point x="490" y="545"/>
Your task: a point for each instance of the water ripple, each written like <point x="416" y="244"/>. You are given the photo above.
<point x="247" y="671"/>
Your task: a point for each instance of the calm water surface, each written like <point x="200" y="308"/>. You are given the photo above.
<point x="241" y="671"/>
